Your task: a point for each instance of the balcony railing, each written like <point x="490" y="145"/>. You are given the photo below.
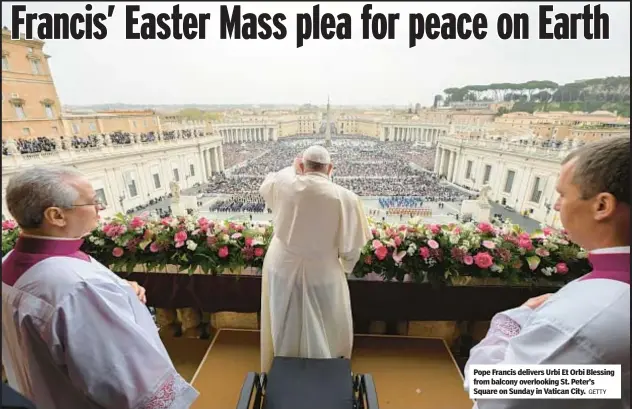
<point x="68" y="156"/>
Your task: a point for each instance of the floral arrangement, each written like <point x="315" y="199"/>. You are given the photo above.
<point x="423" y="252"/>
<point x="434" y="253"/>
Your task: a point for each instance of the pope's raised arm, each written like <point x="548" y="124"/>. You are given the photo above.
<point x="267" y="189"/>
<point x="110" y="356"/>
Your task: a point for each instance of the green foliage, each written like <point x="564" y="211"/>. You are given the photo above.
<point x="608" y="94"/>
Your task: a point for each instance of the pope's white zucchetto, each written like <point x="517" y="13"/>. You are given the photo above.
<point x="317" y="154"/>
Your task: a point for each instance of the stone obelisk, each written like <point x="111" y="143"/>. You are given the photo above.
<point x="328" y="127"/>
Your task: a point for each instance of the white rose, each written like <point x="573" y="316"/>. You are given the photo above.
<point x="191" y="245"/>
<point x="454" y="239"/>
<point x="412" y="248"/>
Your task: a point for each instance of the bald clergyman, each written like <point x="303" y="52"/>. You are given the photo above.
<point x="319" y="230"/>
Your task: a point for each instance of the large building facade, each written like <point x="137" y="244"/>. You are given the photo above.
<point x="521" y="177"/>
<point x="30" y="104"/>
<point x="130" y="175"/>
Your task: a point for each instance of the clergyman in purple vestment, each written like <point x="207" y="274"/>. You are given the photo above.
<point x="587" y="321"/>
<point x="74" y="334"/>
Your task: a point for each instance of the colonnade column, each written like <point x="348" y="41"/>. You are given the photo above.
<point x="437" y="157"/>
<point x="216" y="160"/>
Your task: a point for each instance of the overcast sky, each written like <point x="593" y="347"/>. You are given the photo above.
<point x="356" y="71"/>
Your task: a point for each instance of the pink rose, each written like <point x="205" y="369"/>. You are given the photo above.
<point x="542" y="252"/>
<point x="488" y="244"/>
<point x="166" y="221"/>
<point x="433" y="244"/>
<point x="223" y="252"/>
<point x="397" y="241"/>
<point x="153" y="247"/>
<point x="179" y="244"/>
<point x="435" y="228"/>
<point x="376" y="244"/>
<point x="9" y="224"/>
<point x="180" y="236"/>
<point x="258" y="252"/>
<point x="524" y="236"/>
<point x="547" y="231"/>
<point x="424" y="252"/>
<point x="374" y="232"/>
<point x="117" y="252"/>
<point x="468" y="260"/>
<point x="137" y="222"/>
<point x="525" y="244"/>
<point x="485" y="227"/>
<point x="202" y="221"/>
<point x="381" y="253"/>
<point x="561" y="268"/>
<point x="483" y="260"/>
<point x="456" y="230"/>
<point x="248" y="241"/>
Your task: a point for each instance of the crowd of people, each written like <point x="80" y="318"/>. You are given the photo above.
<point x="49" y="144"/>
<point x="235" y="154"/>
<point x="365" y="166"/>
<point x="35" y="145"/>
<point x="246" y="202"/>
<point x="400" y="201"/>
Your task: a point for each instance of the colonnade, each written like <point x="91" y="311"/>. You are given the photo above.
<point x="446" y="163"/>
<point x="248" y="134"/>
<point x="412" y="134"/>
<point x="213" y="160"/>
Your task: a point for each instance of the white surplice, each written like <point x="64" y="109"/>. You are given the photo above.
<point x="586" y="322"/>
<point x="319" y="231"/>
<point x="75" y="336"/>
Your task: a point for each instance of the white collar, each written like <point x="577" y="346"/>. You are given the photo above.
<point x="612" y="250"/>
<point x="51" y="237"/>
<point x="322" y="175"/>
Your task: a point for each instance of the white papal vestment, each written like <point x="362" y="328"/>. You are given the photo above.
<point x="75" y="336"/>
<point x="319" y="231"/>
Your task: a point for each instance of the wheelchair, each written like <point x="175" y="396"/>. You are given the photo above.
<point x="301" y="383"/>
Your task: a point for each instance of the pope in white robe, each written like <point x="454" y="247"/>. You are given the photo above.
<point x="319" y="231"/>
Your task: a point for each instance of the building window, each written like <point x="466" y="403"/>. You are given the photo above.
<point x="92" y="126"/>
<point x="192" y="169"/>
<point x="468" y="170"/>
<point x="49" y="111"/>
<point x="156" y="176"/>
<point x="55" y="130"/>
<point x="5" y="64"/>
<point x="19" y="111"/>
<point x="509" y="182"/>
<point x="487" y="174"/>
<point x="536" y="193"/>
<point x="36" y="67"/>
<point x="75" y="128"/>
<point x="100" y="193"/>
<point x="131" y="184"/>
<point x="176" y="175"/>
<point x="26" y="132"/>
